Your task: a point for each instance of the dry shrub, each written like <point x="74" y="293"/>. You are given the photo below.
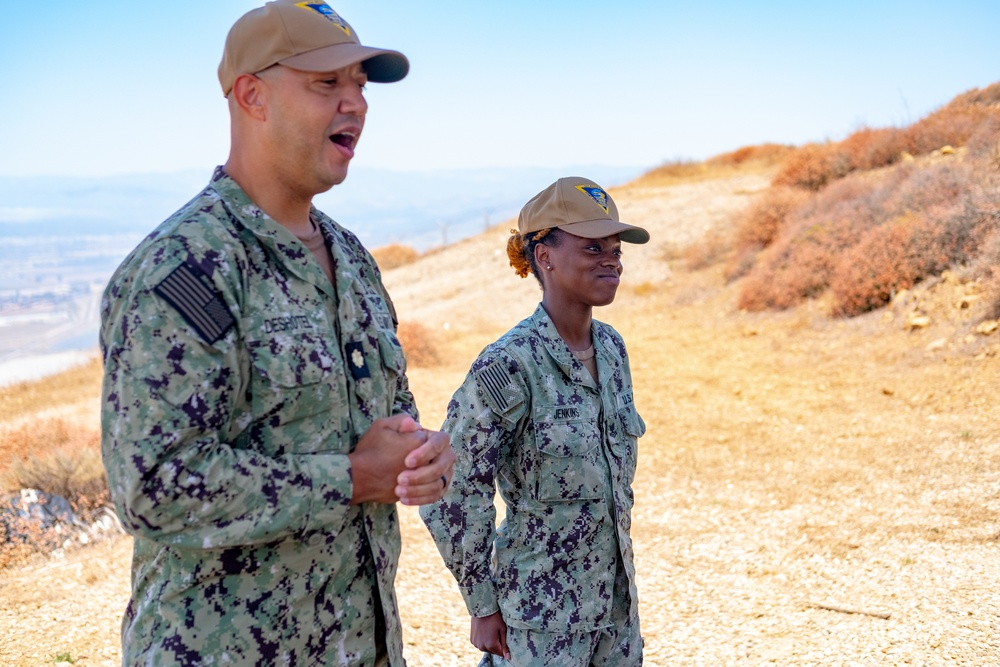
<point x="886" y="259"/>
<point x="873" y="148"/>
<point x="868" y="235"/>
<point x="795" y="269"/>
<point x="762" y="222"/>
<point x="57" y="457"/>
<point x="762" y="155"/>
<point x="813" y="166"/>
<point x="969" y="119"/>
<point x="677" y="170"/>
<point x="707" y="250"/>
<point x="394" y="255"/>
<point x="418" y="345"/>
<point x="950" y="126"/>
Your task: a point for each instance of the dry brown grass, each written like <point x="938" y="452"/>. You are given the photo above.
<point x="50" y="393"/>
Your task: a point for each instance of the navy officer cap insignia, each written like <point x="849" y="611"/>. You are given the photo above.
<point x="354" y="353"/>
<point x="199" y="305"/>
<point x="599" y="196"/>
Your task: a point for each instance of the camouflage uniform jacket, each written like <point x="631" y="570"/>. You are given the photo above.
<point x="237" y="380"/>
<point x="530" y="420"/>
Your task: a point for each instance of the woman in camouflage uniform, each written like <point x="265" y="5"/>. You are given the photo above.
<point x="546" y="416"/>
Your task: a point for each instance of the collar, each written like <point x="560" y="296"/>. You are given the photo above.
<point x="607" y="360"/>
<point x="285" y="246"/>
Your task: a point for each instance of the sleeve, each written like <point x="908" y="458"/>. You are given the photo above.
<point x="482" y="418"/>
<point x="173" y="402"/>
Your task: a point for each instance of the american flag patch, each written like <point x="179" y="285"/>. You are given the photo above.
<point x="200" y="307"/>
<point x="500" y="391"/>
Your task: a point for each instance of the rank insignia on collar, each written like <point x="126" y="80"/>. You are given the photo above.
<point x="599" y="196"/>
<point x="355" y="357"/>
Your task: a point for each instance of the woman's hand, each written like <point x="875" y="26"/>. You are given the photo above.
<point x="489" y="634"/>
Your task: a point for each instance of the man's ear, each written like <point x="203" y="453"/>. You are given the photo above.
<point x="249" y="94"/>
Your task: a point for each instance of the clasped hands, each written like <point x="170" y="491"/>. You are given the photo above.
<point x="398" y="460"/>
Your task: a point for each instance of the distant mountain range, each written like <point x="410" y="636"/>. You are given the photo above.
<point x="421" y="209"/>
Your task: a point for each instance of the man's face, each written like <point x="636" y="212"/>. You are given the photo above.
<point x="313" y="123"/>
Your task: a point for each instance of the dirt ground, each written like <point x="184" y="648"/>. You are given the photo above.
<point x="810" y="491"/>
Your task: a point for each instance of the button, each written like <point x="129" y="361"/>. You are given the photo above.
<point x="315" y="540"/>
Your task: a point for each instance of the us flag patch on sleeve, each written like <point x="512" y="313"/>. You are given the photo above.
<point x="500" y="392"/>
<point x="200" y="307"/>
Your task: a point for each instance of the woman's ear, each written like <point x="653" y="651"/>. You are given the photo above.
<point x="542" y="257"/>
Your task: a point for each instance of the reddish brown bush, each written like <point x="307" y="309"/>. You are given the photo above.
<point x="761" y="154"/>
<point x="873" y="148"/>
<point x="813" y="166"/>
<point x="970" y="118"/>
<point x="794" y="269"/>
<point x="766" y="217"/>
<point x="940" y="213"/>
<point x="886" y="259"/>
<point x="394" y="255"/>
<point x="418" y="344"/>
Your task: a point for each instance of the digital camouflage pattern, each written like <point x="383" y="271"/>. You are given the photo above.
<point x="530" y="421"/>
<point x="237" y="380"/>
<point x="619" y="645"/>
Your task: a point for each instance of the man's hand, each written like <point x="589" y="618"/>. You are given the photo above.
<point x="489" y="634"/>
<point x="396" y="460"/>
<point x="428" y="473"/>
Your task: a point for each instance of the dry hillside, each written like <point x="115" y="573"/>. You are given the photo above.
<point x="796" y="467"/>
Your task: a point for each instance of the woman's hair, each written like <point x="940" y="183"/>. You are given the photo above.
<point x="521" y="249"/>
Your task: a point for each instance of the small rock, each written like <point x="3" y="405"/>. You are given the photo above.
<point x="987" y="327"/>
<point x="936" y="344"/>
<point x="917" y="321"/>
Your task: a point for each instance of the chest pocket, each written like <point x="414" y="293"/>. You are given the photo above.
<point x="294" y="378"/>
<point x="570" y="461"/>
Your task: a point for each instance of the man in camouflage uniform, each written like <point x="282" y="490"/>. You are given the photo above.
<point x="555" y="431"/>
<point x="257" y="422"/>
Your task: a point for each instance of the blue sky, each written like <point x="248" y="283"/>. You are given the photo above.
<point x="99" y="87"/>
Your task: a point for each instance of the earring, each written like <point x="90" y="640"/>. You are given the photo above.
<point x="549" y="267"/>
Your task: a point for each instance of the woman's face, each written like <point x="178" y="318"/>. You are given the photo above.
<point x="583" y="270"/>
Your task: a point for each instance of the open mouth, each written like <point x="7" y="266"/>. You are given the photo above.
<point x="344" y="139"/>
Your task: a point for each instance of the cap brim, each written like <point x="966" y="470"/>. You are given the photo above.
<point x="381" y="65"/>
<point x="599" y="229"/>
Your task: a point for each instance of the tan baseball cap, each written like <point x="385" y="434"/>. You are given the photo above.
<point x="580" y="207"/>
<point x="308" y="36"/>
